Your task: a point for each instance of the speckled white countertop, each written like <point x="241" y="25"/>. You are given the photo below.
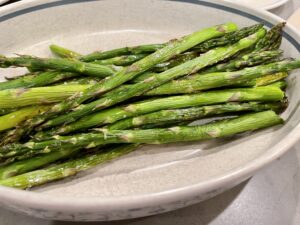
<point x="269" y="198"/>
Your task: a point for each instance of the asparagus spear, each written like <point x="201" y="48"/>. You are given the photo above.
<point x="272" y="36"/>
<point x="213" y="80"/>
<point x="126" y="74"/>
<point x="6" y="111"/>
<point x="33" y="162"/>
<point x="149" y="136"/>
<point x="206" y="98"/>
<point x="191" y="114"/>
<point x="37" y="80"/>
<point x="280" y="84"/>
<point x="66" y="169"/>
<point x="65" y="65"/>
<point x="232" y="37"/>
<point x="12" y="119"/>
<point x="191" y="66"/>
<point x="33" y="96"/>
<point x="123" y="60"/>
<point x="251" y="59"/>
<point x="63" y="52"/>
<point x="265" y="80"/>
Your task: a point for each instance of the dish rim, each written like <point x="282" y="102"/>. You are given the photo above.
<point x="40" y="200"/>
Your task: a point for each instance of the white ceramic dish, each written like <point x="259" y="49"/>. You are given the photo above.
<point x="261" y="4"/>
<point x="154" y="179"/>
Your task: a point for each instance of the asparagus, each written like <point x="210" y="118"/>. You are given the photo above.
<point x="36" y="96"/>
<point x="154" y="136"/>
<point x="66" y="169"/>
<point x="14" y="118"/>
<point x="6" y="111"/>
<point x="272" y="38"/>
<point x="213" y="80"/>
<point x="265" y="80"/>
<point x="280" y="84"/>
<point x="190" y="114"/>
<point x="175" y="102"/>
<point x="251" y="59"/>
<point x="66" y="65"/>
<point x="126" y="74"/>
<point x="221" y="128"/>
<point x="123" y="60"/>
<point x="191" y="66"/>
<point x="232" y="37"/>
<point x="63" y="52"/>
<point x="37" y="80"/>
<point x="33" y="162"/>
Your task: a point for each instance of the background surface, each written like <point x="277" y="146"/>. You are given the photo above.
<point x="270" y="197"/>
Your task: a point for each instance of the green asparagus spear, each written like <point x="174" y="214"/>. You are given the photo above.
<point x="124" y="60"/>
<point x="36" y="96"/>
<point x="66" y="65"/>
<point x="6" y="111"/>
<point x="14" y="118"/>
<point x="37" y="80"/>
<point x="190" y="114"/>
<point x="221" y="79"/>
<point x="33" y="162"/>
<point x="66" y="169"/>
<point x="63" y="52"/>
<point x="175" y="102"/>
<point x="128" y="73"/>
<point x="272" y="36"/>
<point x="191" y="66"/>
<point x="232" y="37"/>
<point x="264" y="80"/>
<point x="251" y="59"/>
<point x="221" y="128"/>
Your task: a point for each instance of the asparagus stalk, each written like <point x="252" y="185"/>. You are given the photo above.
<point x="251" y="59"/>
<point x="191" y="114"/>
<point x="37" y="96"/>
<point x="66" y="169"/>
<point x="191" y="66"/>
<point x="280" y="84"/>
<point x="123" y="60"/>
<point x="65" y="65"/>
<point x="221" y="128"/>
<point x="272" y="38"/>
<point x="6" y="111"/>
<point x="63" y="52"/>
<point x="33" y="162"/>
<point x="221" y="79"/>
<point x="14" y="118"/>
<point x="265" y="80"/>
<point x="37" y="80"/>
<point x="232" y="37"/>
<point x="175" y="102"/>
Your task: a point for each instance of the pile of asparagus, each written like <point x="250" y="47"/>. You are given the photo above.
<point x="73" y="112"/>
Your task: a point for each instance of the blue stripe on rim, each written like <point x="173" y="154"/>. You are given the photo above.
<point x="197" y="2"/>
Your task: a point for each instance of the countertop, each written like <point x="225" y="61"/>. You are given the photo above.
<point x="268" y="198"/>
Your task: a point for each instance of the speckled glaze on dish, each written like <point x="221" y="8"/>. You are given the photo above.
<point x="154" y="179"/>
